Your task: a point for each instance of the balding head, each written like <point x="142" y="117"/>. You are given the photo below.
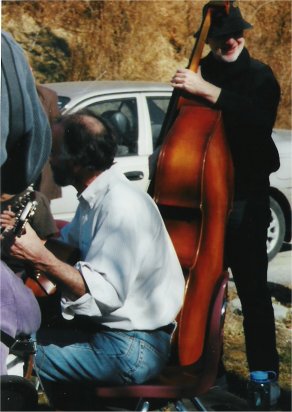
<point x="87" y="140"/>
<point x="92" y="124"/>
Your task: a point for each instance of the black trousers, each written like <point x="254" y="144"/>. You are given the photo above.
<point x="246" y="256"/>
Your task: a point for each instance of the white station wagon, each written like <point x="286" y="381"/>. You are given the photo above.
<point x="136" y="110"/>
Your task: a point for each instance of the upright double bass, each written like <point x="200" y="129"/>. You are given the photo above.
<point x="193" y="187"/>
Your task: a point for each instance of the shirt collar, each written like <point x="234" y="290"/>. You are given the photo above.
<point x="96" y="190"/>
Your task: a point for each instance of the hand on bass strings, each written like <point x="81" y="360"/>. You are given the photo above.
<point x="194" y="83"/>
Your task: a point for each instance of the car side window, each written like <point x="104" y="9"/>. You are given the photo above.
<point x="122" y="114"/>
<point x="157" y="106"/>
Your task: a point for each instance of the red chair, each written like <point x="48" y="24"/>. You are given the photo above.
<point x="183" y="381"/>
<point x="60" y="224"/>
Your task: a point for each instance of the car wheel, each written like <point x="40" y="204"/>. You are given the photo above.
<point x="276" y="230"/>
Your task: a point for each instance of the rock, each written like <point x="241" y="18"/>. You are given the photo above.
<point x="280" y="312"/>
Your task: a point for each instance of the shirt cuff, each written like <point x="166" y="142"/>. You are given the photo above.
<point x="85" y="305"/>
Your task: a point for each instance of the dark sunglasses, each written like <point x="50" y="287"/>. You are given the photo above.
<point x="232" y="35"/>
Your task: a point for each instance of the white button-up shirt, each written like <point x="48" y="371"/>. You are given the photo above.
<point x="128" y="261"/>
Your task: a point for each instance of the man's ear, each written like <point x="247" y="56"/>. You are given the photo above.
<point x="76" y="167"/>
<point x="83" y="171"/>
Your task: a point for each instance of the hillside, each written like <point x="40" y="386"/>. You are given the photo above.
<point x="83" y="40"/>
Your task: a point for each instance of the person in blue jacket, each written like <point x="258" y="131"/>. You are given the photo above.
<point x="25" y="147"/>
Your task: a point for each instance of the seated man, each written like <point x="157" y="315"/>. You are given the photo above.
<point x="121" y="299"/>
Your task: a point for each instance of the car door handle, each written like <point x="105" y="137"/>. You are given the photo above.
<point x="136" y="175"/>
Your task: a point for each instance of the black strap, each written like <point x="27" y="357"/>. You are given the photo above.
<point x="21" y="346"/>
<point x="168" y="328"/>
<point x="7" y="339"/>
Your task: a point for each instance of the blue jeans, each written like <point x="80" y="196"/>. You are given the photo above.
<point x="71" y="361"/>
<point x="75" y="356"/>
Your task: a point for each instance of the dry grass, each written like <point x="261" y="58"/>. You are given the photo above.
<point x="83" y="40"/>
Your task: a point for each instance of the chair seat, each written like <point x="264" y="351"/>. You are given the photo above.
<point x="174" y="382"/>
<point x="178" y="381"/>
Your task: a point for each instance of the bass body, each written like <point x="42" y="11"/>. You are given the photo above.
<point x="193" y="188"/>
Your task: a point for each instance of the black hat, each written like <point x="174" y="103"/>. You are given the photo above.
<point x="222" y="23"/>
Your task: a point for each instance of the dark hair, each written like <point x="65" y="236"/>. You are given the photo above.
<point x="83" y="145"/>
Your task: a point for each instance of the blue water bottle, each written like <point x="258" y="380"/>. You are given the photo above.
<point x="263" y="390"/>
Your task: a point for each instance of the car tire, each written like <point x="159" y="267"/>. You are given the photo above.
<point x="276" y="230"/>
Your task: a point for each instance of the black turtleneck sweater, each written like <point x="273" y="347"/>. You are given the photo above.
<point x="249" y="100"/>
